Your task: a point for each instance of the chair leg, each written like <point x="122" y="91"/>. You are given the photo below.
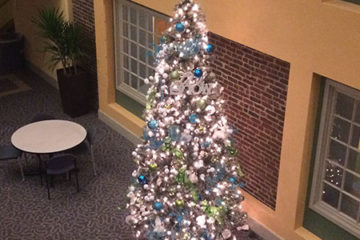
<point x="93" y="159"/>
<point x="77" y="181"/>
<point x="47" y="185"/>
<point x="21" y="169"/>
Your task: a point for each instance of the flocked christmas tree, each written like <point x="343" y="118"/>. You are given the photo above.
<point x="188" y="183"/>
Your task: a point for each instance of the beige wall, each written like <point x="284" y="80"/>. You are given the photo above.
<point x="24" y="11"/>
<point x="315" y="36"/>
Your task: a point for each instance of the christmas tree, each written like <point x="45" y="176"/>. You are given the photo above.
<point x="188" y="183"/>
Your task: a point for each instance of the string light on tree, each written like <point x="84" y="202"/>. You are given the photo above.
<point x="187" y="182"/>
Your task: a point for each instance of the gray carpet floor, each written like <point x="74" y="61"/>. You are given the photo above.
<point x="93" y="213"/>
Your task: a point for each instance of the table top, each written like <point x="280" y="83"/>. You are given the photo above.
<point x="48" y="136"/>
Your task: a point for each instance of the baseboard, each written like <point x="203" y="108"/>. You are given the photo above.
<point x="52" y="81"/>
<point x="119" y="128"/>
<point x="262" y="231"/>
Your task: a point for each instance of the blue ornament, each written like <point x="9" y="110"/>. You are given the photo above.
<point x="158" y="206"/>
<point x="232" y="180"/>
<point x="180" y="27"/>
<point x="156" y="144"/>
<point x="210" y="48"/>
<point x="198" y="73"/>
<point x="142" y="179"/>
<point x="193" y="118"/>
<point x="190" y="48"/>
<point x="205" y="144"/>
<point x="153" y="124"/>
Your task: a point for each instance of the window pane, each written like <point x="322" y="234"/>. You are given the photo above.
<point x="349" y="206"/>
<point x="341" y="130"/>
<point x="333" y="174"/>
<point x="134" y="81"/>
<point x="126" y="77"/>
<point x="142" y="37"/>
<point x="150" y="23"/>
<point x="150" y="43"/>
<point x="126" y="46"/>
<point x="357" y="113"/>
<point x="151" y="60"/>
<point x="125" y="13"/>
<point x="352" y="184"/>
<point x="330" y="195"/>
<point x="133" y="34"/>
<point x="133" y="15"/>
<point x="344" y="106"/>
<point x="151" y="72"/>
<point x="143" y="87"/>
<point x="126" y="62"/>
<point x="355" y="139"/>
<point x="142" y="54"/>
<point x="354" y="161"/>
<point x="142" y="71"/>
<point x="133" y="50"/>
<point x="337" y="152"/>
<point x="126" y="30"/>
<point x="134" y="66"/>
<point x="142" y="19"/>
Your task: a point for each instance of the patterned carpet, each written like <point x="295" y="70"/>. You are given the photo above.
<point x="25" y="211"/>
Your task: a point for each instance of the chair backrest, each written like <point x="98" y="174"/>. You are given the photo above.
<point x="90" y="136"/>
<point x="42" y="117"/>
<point x="60" y="162"/>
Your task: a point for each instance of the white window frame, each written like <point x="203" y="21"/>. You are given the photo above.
<point x="316" y="203"/>
<point x="118" y="46"/>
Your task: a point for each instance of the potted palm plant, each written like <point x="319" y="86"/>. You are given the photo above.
<point x="66" y="46"/>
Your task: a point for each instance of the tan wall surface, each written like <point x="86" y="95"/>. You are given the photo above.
<point x="24" y="11"/>
<point x="315" y="36"/>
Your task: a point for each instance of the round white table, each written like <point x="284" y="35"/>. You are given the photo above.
<point x="49" y="136"/>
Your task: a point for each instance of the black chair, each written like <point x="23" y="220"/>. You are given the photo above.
<point x="8" y="153"/>
<point x="42" y="117"/>
<point x="87" y="146"/>
<point x="58" y="165"/>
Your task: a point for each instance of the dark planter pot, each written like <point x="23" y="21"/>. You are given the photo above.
<point x="74" y="92"/>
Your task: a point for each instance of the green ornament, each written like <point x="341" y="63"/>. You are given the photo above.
<point x="232" y="151"/>
<point x="168" y="139"/>
<point x="179" y="203"/>
<point x="174" y="75"/>
<point x="201" y="104"/>
<point x="148" y="106"/>
<point x="240" y="172"/>
<point x="195" y="195"/>
<point x="181" y="176"/>
<point x="153" y="166"/>
<point x="178" y="154"/>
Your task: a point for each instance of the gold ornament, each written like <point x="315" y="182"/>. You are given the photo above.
<point x="174" y="75"/>
<point x="179" y="203"/>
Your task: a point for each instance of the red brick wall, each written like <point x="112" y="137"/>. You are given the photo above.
<point x="83" y="11"/>
<point x="255" y="89"/>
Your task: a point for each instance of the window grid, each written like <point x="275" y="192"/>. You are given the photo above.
<point x="135" y="38"/>
<point x="343" y="208"/>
